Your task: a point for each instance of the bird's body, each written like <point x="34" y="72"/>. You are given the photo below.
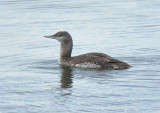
<point x="92" y="60"/>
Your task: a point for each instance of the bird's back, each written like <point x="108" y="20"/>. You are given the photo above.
<point x="96" y="60"/>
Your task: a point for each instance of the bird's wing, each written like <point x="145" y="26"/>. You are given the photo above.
<point x="94" y="57"/>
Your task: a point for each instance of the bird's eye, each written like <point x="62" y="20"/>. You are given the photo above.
<point x="60" y="35"/>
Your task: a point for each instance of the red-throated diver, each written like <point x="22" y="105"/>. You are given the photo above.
<point x="88" y="60"/>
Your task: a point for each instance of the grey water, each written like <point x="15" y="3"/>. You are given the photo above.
<point x="31" y="81"/>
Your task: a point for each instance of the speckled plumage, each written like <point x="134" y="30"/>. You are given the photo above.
<point x="88" y="60"/>
<point x="94" y="60"/>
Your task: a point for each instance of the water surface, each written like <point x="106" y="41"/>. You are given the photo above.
<point x="31" y="81"/>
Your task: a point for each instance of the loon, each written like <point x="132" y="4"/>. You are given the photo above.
<point x="92" y="60"/>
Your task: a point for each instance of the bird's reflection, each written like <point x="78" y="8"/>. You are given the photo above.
<point x="66" y="77"/>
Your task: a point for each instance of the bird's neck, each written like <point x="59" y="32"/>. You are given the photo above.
<point x="66" y="50"/>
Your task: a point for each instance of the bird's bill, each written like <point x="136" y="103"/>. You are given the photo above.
<point x="49" y="36"/>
